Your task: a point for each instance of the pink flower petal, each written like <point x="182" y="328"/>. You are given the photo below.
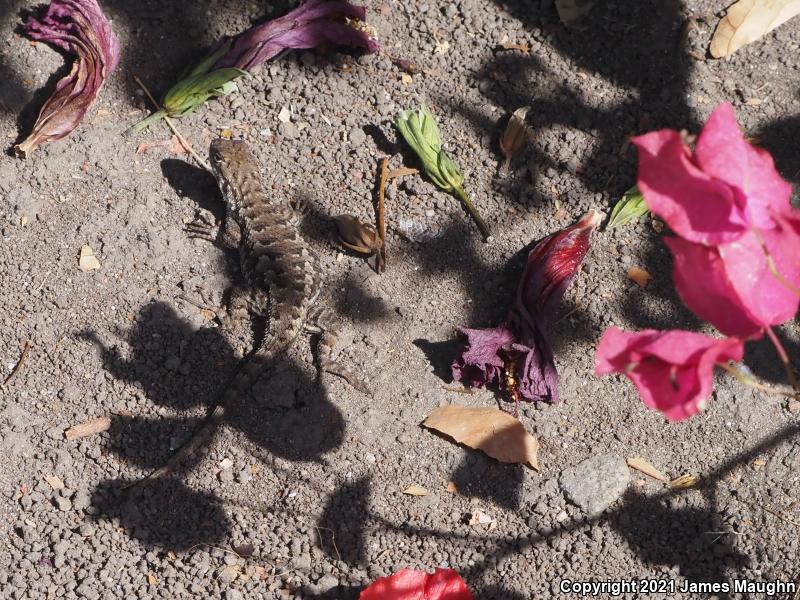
<point x="444" y="584"/>
<point x="723" y="153"/>
<point x="673" y="381"/>
<point x="768" y="300"/>
<point x="702" y="282"/>
<point x="695" y="206"/>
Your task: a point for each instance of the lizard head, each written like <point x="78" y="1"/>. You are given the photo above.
<point x="230" y="160"/>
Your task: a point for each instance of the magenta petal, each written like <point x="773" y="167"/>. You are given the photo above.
<point x="695" y="206"/>
<point x="767" y="299"/>
<point x="80" y="28"/>
<point x="676" y="383"/>
<point x="702" y="282"/>
<point x="723" y="153"/>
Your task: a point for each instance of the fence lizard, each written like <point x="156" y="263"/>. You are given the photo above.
<point x="282" y="282"/>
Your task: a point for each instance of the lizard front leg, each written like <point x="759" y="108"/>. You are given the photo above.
<point x="226" y="235"/>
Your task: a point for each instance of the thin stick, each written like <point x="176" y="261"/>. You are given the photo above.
<point x="25" y="351"/>
<point x="787" y="365"/>
<point x="333" y="539"/>
<point x="382" y="213"/>
<point x="174" y="129"/>
<point x="754" y="384"/>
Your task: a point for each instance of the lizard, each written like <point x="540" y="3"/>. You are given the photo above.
<point x="282" y="278"/>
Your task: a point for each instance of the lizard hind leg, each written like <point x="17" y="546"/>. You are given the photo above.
<point x="321" y="325"/>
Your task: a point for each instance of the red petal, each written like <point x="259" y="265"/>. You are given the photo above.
<point x="444" y="584"/>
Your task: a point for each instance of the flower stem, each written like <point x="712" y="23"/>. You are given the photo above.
<point x="787" y="365"/>
<point x="484" y="228"/>
<point x="749" y="381"/>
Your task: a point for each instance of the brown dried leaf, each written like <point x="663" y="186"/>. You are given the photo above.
<point x="151" y="579"/>
<point x="481" y="518"/>
<point x="524" y="47"/>
<point x="415" y="490"/>
<point x="493" y="431"/>
<point x="89" y="427"/>
<point x="639" y="276"/>
<point x="571" y="11"/>
<point x="87" y="261"/>
<point x="748" y="20"/>
<point x="451" y="487"/>
<point x="644" y="466"/>
<point x="357" y="236"/>
<point x="684" y="481"/>
<point x="54" y="482"/>
<point x="402" y="172"/>
<point x="516" y="134"/>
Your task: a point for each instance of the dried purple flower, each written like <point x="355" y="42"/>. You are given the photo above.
<point x="311" y="24"/>
<point x="517" y="354"/>
<point x="80" y="28"/>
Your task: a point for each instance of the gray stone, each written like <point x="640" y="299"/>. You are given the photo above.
<point x="326" y="583"/>
<point x="596" y="483"/>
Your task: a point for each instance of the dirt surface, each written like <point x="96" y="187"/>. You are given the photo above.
<point x="310" y="474"/>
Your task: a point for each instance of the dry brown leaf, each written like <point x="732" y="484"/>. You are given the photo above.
<point x="491" y="430"/>
<point x="571" y="11"/>
<point x="87" y="261"/>
<point x="639" y="276"/>
<point x="151" y="579"/>
<point x="406" y="79"/>
<point x="451" y="487"/>
<point x="684" y="481"/>
<point x="644" y="466"/>
<point x="524" y="47"/>
<point x="415" y="490"/>
<point x="54" y="482"/>
<point x="748" y="20"/>
<point x="401" y="172"/>
<point x="481" y="518"/>
<point x="357" y="236"/>
<point x="89" y="427"/>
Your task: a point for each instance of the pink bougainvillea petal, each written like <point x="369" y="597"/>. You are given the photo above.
<point x="766" y="298"/>
<point x="702" y="282"/>
<point x="723" y="153"/>
<point x="444" y="584"/>
<point x="80" y="28"/>
<point x="695" y="206"/>
<point x="672" y="370"/>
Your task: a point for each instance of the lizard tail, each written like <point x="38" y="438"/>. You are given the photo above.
<point x="248" y="371"/>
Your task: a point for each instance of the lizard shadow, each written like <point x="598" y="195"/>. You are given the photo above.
<point x="179" y="367"/>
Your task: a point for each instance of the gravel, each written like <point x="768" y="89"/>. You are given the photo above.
<point x="317" y="469"/>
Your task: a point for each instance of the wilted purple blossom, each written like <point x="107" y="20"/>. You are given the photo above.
<point x="78" y="27"/>
<point x="311" y="24"/>
<point x="519" y="349"/>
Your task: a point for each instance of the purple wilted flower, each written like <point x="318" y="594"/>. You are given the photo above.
<point x="517" y="354"/>
<point x="78" y="27"/>
<point x="311" y="24"/>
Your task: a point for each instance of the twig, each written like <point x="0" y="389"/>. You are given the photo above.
<point x="174" y="129"/>
<point x="333" y="539"/>
<point x="194" y="303"/>
<point x="22" y="357"/>
<point x="401" y="172"/>
<point x="381" y="262"/>
<point x="781" y="517"/>
<point x="787" y="364"/>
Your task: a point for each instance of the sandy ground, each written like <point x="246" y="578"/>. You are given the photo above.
<point x="310" y="474"/>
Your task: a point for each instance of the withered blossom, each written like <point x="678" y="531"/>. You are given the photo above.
<point x="357" y="236"/>
<point x="517" y="355"/>
<point x="311" y="24"/>
<point x="79" y="27"/>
